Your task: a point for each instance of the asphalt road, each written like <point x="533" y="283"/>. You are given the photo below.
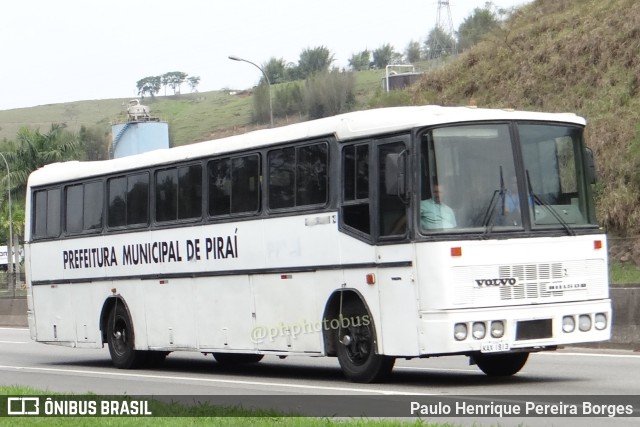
<point x="566" y="372"/>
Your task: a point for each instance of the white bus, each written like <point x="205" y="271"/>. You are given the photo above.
<point x="400" y="232"/>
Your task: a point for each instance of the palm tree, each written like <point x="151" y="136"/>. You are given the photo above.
<point x="31" y="150"/>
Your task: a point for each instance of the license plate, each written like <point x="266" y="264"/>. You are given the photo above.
<point x="493" y="347"/>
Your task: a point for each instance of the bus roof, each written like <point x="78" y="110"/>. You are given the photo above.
<point x="343" y="127"/>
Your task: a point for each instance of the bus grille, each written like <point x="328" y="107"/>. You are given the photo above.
<point x="534" y="282"/>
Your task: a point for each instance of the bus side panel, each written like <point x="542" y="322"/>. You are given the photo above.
<point x="170" y="318"/>
<point x="308" y="241"/>
<point x="55" y="314"/>
<point x="284" y="322"/>
<point x="398" y="291"/>
<point x="87" y="303"/>
<point x="224" y="310"/>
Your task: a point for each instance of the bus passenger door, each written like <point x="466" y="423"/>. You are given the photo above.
<point x="395" y="278"/>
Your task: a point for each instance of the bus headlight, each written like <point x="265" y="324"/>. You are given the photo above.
<point x="601" y="321"/>
<point x="568" y="324"/>
<point x="479" y="330"/>
<point x="497" y="329"/>
<point x="460" y="331"/>
<point x="584" y="322"/>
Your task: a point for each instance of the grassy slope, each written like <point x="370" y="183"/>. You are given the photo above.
<point x="192" y="117"/>
<point x="565" y="55"/>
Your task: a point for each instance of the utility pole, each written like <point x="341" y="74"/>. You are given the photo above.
<point x="444" y="23"/>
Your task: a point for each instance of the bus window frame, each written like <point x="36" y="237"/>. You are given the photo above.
<point x="149" y="171"/>
<point x="266" y="178"/>
<point x="90" y="231"/>
<point x="231" y="216"/>
<point x="152" y="218"/>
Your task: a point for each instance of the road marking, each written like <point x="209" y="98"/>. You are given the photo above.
<point x="14" y="342"/>
<point x="211" y="380"/>
<point x="434" y="369"/>
<point x="630" y="356"/>
<point x="13" y="329"/>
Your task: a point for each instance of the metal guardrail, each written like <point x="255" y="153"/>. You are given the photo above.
<point x="12" y="285"/>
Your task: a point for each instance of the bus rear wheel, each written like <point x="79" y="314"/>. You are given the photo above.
<point x="356" y="346"/>
<point x="121" y="340"/>
<point x="501" y="365"/>
<point x="231" y="359"/>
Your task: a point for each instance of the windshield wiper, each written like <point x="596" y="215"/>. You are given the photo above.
<point x="540" y="201"/>
<point x="490" y="213"/>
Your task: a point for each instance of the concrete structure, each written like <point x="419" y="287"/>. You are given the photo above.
<point x="400" y="81"/>
<point x="139" y="133"/>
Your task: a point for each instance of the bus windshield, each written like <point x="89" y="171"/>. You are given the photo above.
<point x="470" y="181"/>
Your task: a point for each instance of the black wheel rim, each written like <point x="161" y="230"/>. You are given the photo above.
<point x="359" y="348"/>
<point x="120" y="337"/>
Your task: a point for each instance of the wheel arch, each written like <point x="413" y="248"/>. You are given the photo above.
<point x="107" y="306"/>
<point x="332" y="310"/>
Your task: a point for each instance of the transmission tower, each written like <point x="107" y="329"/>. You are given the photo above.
<point x="444" y="42"/>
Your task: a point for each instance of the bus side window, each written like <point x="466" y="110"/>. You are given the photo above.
<point x="298" y="176"/>
<point x="128" y="200"/>
<point x="355" y="188"/>
<point x="234" y="185"/>
<point x="282" y="179"/>
<point x="47" y="204"/>
<point x="245" y="184"/>
<point x="179" y="193"/>
<point x="83" y="207"/>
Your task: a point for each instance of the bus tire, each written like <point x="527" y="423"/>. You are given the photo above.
<point x="501" y="365"/>
<point x="356" y="346"/>
<point x="120" y="338"/>
<point x="231" y="359"/>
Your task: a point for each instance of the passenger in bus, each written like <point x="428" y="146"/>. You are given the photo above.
<point x="434" y="214"/>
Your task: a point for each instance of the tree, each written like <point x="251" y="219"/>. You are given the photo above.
<point x="313" y="61"/>
<point x="383" y="56"/>
<point x="413" y="53"/>
<point x="95" y="142"/>
<point x="261" y="109"/>
<point x="288" y="100"/>
<point x="150" y="85"/>
<point x="330" y="93"/>
<point x="174" y="80"/>
<point x="439" y="44"/>
<point x="276" y="70"/>
<point x="360" y="61"/>
<point x="476" y="25"/>
<point x="32" y="150"/>
<point x="193" y="81"/>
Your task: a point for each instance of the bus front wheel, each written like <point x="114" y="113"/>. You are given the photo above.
<point x="356" y="346"/>
<point x="121" y="340"/>
<point x="500" y="365"/>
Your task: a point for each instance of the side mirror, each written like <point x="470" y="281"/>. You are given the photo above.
<point x="396" y="174"/>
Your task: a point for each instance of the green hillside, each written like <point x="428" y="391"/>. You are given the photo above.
<point x="192" y="117"/>
<point x="579" y="56"/>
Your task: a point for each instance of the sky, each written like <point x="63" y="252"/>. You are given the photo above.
<point x="71" y="50"/>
